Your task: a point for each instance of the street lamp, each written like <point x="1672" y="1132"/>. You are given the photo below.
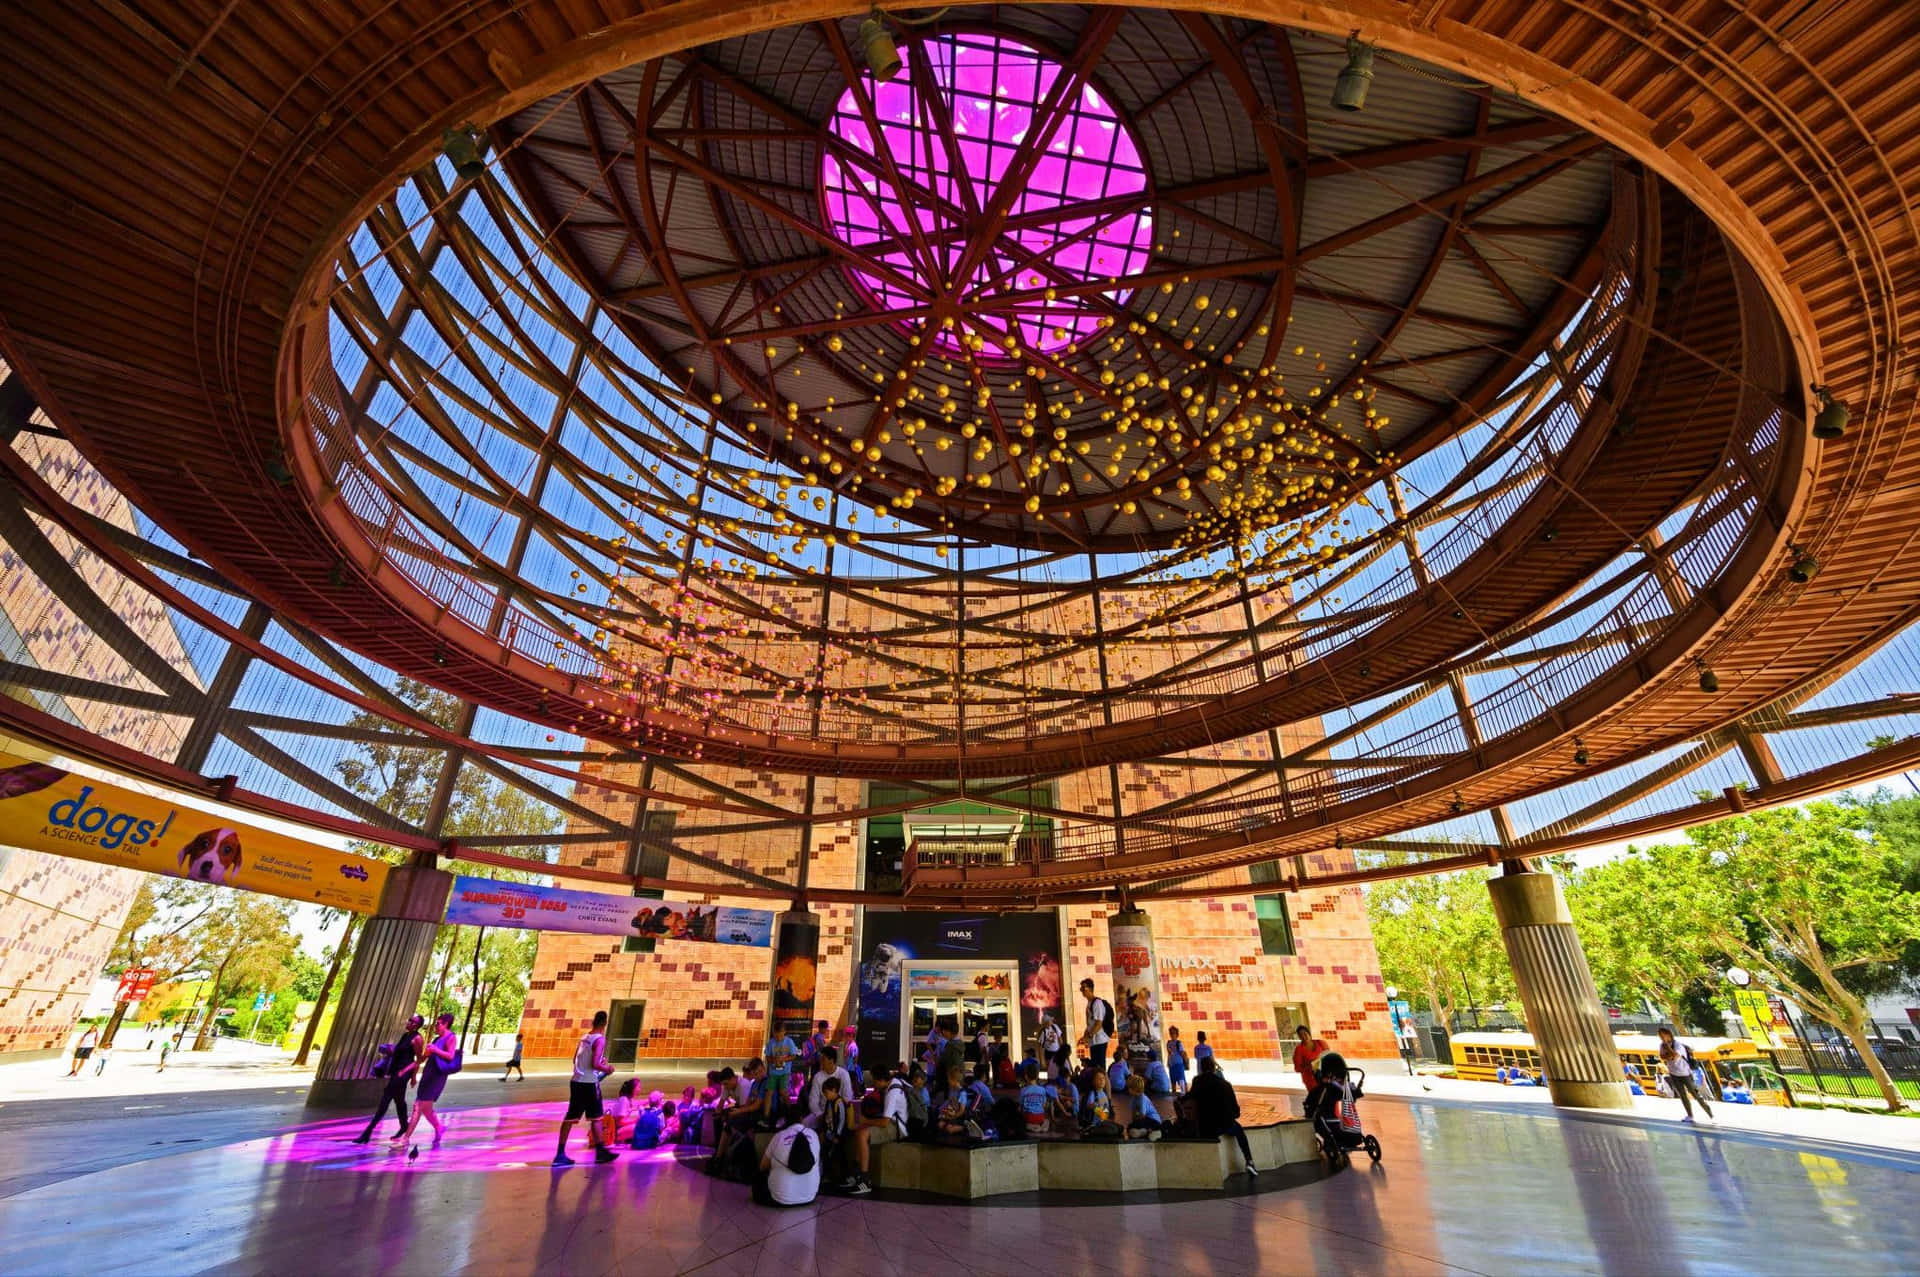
<point x="1738" y="977"/>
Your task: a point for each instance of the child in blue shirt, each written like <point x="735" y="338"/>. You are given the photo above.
<point x="1176" y="1062"/>
<point x="1036" y="1101"/>
<point x="1146" y="1121"/>
<point x="1158" y="1082"/>
<point x="1096" y="1111"/>
<point x="1201" y="1051"/>
<point x="1118" y="1073"/>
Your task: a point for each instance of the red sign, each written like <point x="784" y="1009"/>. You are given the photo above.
<point x="135" y="984"/>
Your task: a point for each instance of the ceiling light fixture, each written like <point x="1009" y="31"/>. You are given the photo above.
<point x="1709" y="681"/>
<point x="1831" y="421"/>
<point x="878" y="48"/>
<point x="1580" y="756"/>
<point x="462" y="145"/>
<point x="1805" y="566"/>
<point x="1350" y="88"/>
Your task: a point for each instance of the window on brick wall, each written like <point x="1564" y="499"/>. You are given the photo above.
<point x="1276" y="928"/>
<point x="647" y="858"/>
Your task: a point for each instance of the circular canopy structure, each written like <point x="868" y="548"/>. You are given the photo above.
<point x="1088" y="394"/>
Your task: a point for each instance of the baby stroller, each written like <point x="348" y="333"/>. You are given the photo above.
<point x="1334" y="1108"/>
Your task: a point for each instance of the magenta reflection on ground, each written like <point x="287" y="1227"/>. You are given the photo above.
<point x="992" y="88"/>
<point x="512" y="1137"/>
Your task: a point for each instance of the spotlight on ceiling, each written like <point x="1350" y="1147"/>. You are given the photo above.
<point x="1831" y="421"/>
<point x="1805" y="567"/>
<point x="1457" y="806"/>
<point x="1580" y="756"/>
<point x="1350" y="89"/>
<point x="1709" y="681"/>
<point x="462" y="147"/>
<point x="877" y="46"/>
<point x="1550" y="532"/>
<point x="278" y="470"/>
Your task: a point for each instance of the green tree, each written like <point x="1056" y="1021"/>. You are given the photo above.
<point x="249" y="942"/>
<point x="1806" y="897"/>
<point x="164" y="930"/>
<point x="1641" y="935"/>
<point x="1436" y="936"/>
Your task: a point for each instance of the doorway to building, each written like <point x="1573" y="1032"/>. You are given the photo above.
<point x="963" y="998"/>
<point x="1288" y="1017"/>
<point x="625" y="1021"/>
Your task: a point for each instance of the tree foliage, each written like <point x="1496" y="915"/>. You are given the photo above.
<point x="1812" y="899"/>
<point x="1437" y="938"/>
<point x="1642" y="937"/>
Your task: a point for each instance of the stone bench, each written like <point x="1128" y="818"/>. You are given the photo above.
<point x="1110" y="1166"/>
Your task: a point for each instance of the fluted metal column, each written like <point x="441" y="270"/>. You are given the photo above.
<point x="1556" y="987"/>
<point x="383" y="986"/>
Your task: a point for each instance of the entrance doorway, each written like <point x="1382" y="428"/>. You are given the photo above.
<point x="961" y="997"/>
<point x="1288" y="1017"/>
<point x="624" y="1024"/>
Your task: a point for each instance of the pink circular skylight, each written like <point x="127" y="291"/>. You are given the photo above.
<point x="1075" y="211"/>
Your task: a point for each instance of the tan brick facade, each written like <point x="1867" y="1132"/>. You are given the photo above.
<point x="59" y="917"/>
<point x="711" y="1001"/>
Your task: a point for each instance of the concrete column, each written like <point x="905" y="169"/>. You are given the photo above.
<point x="1556" y="987"/>
<point x="1136" y="972"/>
<point x="389" y="967"/>
<point x="796" y="970"/>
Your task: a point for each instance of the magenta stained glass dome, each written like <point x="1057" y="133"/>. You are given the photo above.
<point x="948" y="182"/>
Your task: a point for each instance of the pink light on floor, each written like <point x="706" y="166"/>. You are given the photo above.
<point x="1072" y="222"/>
<point x="515" y="1137"/>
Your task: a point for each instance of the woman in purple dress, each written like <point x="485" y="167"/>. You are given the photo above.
<point x="437" y="1063"/>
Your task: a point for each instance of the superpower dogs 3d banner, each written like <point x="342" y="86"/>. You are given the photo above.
<point x="488" y="902"/>
<point x="46" y="808"/>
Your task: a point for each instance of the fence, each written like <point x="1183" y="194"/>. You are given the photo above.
<point x="1818" y="1061"/>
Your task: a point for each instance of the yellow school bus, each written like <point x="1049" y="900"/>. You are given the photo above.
<point x="1478" y="1057"/>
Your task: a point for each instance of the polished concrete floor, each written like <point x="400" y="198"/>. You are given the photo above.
<point x="1462" y="1188"/>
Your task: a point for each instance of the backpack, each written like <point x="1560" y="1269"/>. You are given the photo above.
<point x="1106" y="1016"/>
<point x="800" y="1153"/>
<point x="384" y="1065"/>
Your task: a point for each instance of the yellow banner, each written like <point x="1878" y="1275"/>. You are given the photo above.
<point x="45" y="808"/>
<point x="1757" y="1013"/>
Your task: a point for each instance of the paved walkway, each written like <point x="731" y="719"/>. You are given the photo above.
<point x="1821" y="1126"/>
<point x="1464" y="1188"/>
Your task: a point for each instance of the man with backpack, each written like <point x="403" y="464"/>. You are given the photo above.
<point x="1099" y="1030"/>
<point x="397" y="1069"/>
<point x="790" y="1169"/>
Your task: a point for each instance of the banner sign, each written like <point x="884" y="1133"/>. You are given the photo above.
<point x="488" y="902"/>
<point x="135" y="984"/>
<point x="1757" y="1013"/>
<point x="45" y="808"/>
<point x="796" y="968"/>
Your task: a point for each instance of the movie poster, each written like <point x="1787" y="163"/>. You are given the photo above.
<point x="795" y="971"/>
<point x="489" y="902"/>
<point x="1136" y="988"/>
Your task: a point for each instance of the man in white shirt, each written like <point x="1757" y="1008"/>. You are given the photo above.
<point x="583" y="1092"/>
<point x="1099" y="1014"/>
<point x="1052" y="1040"/>
<point x="780" y="1183"/>
<point x="829" y="1067"/>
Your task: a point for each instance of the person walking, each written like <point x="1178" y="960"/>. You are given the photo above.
<point x="1099" y="1030"/>
<point x="583" y="1092"/>
<point x="401" y="1063"/>
<point x="1176" y="1062"/>
<point x="513" y="1064"/>
<point x="1677" y="1059"/>
<point x="1216" y="1109"/>
<point x="439" y="1061"/>
<point x="82" y="1050"/>
<point x="1053" y="1042"/>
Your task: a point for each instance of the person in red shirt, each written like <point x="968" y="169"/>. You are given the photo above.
<point x="1305" y="1052"/>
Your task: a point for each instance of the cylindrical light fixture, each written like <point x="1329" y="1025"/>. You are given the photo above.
<point x="878" y="48"/>
<point x="1709" y="681"/>
<point x="463" y="147"/>
<point x="1805" y="568"/>
<point x="1831" y="421"/>
<point x="1350" y="88"/>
